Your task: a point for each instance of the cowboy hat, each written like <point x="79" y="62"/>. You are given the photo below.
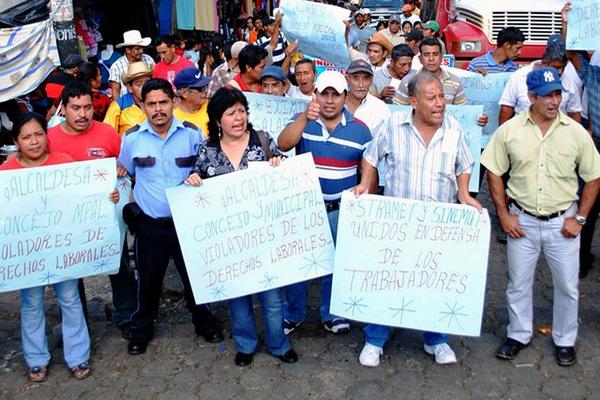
<point x="381" y="40"/>
<point x="133" y="38"/>
<point x="136" y="70"/>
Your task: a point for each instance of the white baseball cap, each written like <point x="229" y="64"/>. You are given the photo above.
<point x="332" y="79"/>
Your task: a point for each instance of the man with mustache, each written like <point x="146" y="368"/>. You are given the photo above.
<point x="545" y="151"/>
<point x="418" y="148"/>
<point x="85" y="139"/>
<point x="160" y="153"/>
<point x="337" y="141"/>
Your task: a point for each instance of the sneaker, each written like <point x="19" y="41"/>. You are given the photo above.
<point x="369" y="356"/>
<point x="290" y="326"/>
<point x="443" y="353"/>
<point x="337" y="326"/>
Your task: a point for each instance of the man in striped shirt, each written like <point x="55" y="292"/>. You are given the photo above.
<point x="510" y="41"/>
<point x="336" y="140"/>
<point x="273" y="39"/>
<point x="426" y="158"/>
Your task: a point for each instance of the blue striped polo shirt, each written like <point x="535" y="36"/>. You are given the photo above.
<point x="488" y="63"/>
<point x="337" y="154"/>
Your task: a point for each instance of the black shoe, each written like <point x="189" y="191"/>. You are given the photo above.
<point x="510" y="349"/>
<point x="211" y="334"/>
<point x="243" y="359"/>
<point x="565" y="356"/>
<point x="137" y="347"/>
<point x="289" y="356"/>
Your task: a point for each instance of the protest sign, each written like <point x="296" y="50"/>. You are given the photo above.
<point x="253" y="230"/>
<point x="411" y="264"/>
<point x="583" y="25"/>
<point x="467" y="118"/>
<point x="321" y="66"/>
<point x="363" y="35"/>
<point x="272" y="113"/>
<point x="57" y="223"/>
<point x="486" y="91"/>
<point x="124" y="188"/>
<point x="318" y="28"/>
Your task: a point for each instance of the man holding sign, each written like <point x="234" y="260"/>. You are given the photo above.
<point x="337" y="141"/>
<point x="418" y="149"/>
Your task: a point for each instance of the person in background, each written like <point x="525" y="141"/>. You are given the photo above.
<point x="170" y="63"/>
<point x="258" y="30"/>
<point x="387" y="80"/>
<point x="126" y="111"/>
<point x="192" y="90"/>
<point x="273" y="81"/>
<point x="251" y="61"/>
<point x="408" y="15"/>
<point x="381" y="25"/>
<point x="305" y="73"/>
<point x="226" y="71"/>
<point x="393" y="33"/>
<point x="508" y="47"/>
<point x="67" y="73"/>
<point x="191" y="50"/>
<point x="231" y="145"/>
<point x="133" y="45"/>
<point x="432" y="29"/>
<point x="273" y="40"/>
<point x="90" y="73"/>
<point x="406" y="27"/>
<point x="29" y="135"/>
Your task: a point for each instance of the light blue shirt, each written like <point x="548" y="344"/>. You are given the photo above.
<point x="158" y="164"/>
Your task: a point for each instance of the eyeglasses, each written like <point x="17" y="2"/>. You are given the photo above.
<point x="202" y="89"/>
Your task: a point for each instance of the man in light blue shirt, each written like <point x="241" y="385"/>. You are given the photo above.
<point x="160" y="153"/>
<point x="510" y="41"/>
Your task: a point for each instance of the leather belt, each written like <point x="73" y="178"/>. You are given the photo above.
<point x="332" y="206"/>
<point x="540" y="217"/>
<point x="163" y="223"/>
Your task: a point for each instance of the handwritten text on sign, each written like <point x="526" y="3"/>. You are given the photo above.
<point x="57" y="223"/>
<point x="583" y="30"/>
<point x="253" y="230"/>
<point x="411" y="264"/>
<point x="272" y="113"/>
<point x="319" y="29"/>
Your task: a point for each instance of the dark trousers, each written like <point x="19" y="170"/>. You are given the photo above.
<point x="124" y="289"/>
<point x="587" y="234"/>
<point x="154" y="245"/>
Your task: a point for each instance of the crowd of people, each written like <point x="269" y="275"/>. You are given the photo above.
<point x="183" y="118"/>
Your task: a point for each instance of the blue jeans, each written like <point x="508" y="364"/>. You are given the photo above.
<point x="377" y="335"/>
<point x="75" y="335"/>
<point x="244" y="323"/>
<point x="294" y="305"/>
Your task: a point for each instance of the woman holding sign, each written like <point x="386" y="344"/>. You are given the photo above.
<point x="231" y="144"/>
<point x="29" y="134"/>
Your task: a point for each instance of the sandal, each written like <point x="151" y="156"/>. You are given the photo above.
<point x="81" y="371"/>
<point x="38" y="374"/>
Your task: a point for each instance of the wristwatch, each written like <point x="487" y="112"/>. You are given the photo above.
<point x="580" y="219"/>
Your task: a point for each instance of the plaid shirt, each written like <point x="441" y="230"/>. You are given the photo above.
<point x="221" y="76"/>
<point x="590" y="74"/>
<point x="417" y="171"/>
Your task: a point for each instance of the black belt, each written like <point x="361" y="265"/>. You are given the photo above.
<point x="540" y="217"/>
<point x="332" y="206"/>
<point x="163" y="223"/>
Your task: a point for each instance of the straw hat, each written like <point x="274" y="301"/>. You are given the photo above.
<point x="133" y="38"/>
<point x="136" y="70"/>
<point x="380" y="39"/>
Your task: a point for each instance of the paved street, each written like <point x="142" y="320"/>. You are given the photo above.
<point x="181" y="366"/>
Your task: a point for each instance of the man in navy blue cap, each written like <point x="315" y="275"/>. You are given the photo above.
<point x="273" y="81"/>
<point x="192" y="90"/>
<point x="545" y="151"/>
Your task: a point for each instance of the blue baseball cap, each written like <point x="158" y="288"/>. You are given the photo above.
<point x="274" y="72"/>
<point x="543" y="81"/>
<point x="191" y="77"/>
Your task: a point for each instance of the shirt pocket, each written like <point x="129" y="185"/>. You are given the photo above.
<point x="144" y="162"/>
<point x="561" y="164"/>
<point x="446" y="171"/>
<point x="185" y="162"/>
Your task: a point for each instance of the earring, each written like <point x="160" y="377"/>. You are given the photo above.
<point x="220" y="133"/>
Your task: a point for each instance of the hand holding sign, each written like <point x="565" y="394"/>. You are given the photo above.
<point x="583" y="24"/>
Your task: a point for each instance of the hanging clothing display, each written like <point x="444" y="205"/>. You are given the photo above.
<point x="205" y="12"/>
<point x="186" y="14"/>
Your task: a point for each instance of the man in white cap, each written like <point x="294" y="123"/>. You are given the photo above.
<point x="337" y="141"/>
<point x="133" y="45"/>
<point x="226" y="71"/>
